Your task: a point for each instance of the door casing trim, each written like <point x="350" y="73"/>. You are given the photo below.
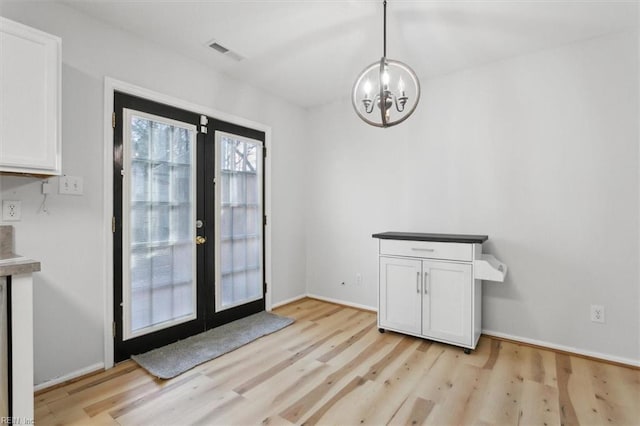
<point x="112" y="85"/>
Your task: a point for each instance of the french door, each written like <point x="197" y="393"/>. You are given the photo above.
<point x="236" y="201"/>
<point x="188" y="224"/>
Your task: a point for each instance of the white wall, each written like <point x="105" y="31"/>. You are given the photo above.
<point x="68" y="293"/>
<point x="540" y="152"/>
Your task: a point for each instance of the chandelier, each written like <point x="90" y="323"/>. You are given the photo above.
<point x="387" y="92"/>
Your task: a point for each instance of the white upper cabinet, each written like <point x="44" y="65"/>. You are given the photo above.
<point x="30" y="76"/>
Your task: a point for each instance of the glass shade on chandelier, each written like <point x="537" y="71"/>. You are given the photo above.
<point x="386" y="93"/>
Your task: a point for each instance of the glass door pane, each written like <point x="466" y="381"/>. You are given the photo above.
<point x="239" y="277"/>
<point x="159" y="252"/>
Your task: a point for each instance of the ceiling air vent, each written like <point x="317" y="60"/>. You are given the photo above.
<point x="220" y="48"/>
<point x="226" y="52"/>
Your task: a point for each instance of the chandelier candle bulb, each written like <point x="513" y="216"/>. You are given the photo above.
<point x="385" y="78"/>
<point x="367" y="89"/>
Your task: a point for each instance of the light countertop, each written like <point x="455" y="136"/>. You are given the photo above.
<point x="11" y="263"/>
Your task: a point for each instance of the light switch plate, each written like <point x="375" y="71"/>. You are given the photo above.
<point x="11" y="210"/>
<point x="71" y="185"/>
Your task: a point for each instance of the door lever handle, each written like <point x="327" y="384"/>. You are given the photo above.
<point x="201" y="240"/>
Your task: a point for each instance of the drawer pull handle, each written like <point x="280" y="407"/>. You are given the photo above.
<point x="418" y="282"/>
<point x="422" y="249"/>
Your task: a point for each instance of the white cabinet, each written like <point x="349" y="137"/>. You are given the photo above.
<point x="30" y="70"/>
<point x="400" y="306"/>
<point x="447" y="302"/>
<point x="22" y="345"/>
<point x="428" y="286"/>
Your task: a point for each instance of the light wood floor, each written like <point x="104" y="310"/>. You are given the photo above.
<point x="333" y="367"/>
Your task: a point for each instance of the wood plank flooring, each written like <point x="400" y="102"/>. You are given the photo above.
<point x="333" y="367"/>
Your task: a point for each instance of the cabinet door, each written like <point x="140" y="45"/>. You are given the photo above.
<point x="29" y="100"/>
<point x="399" y="298"/>
<point x="447" y="298"/>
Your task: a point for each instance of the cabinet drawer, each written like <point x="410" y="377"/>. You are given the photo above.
<point x="427" y="249"/>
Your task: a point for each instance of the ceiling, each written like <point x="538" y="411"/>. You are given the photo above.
<point x="310" y="52"/>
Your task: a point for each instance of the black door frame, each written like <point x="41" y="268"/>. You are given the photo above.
<point x="231" y="314"/>
<point x="206" y="317"/>
<point x="124" y="348"/>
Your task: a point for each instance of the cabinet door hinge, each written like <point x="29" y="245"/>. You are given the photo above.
<point x="113" y="224"/>
<point x="113" y="329"/>
<point x="113" y="119"/>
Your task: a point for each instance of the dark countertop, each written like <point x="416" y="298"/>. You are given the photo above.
<point x="443" y="238"/>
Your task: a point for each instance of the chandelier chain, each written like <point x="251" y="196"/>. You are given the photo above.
<point x="384" y="30"/>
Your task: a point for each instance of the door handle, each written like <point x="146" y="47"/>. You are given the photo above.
<point x="418" y="282"/>
<point x="201" y="240"/>
<point x="425" y="282"/>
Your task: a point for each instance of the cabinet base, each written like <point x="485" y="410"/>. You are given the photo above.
<point x="467" y="349"/>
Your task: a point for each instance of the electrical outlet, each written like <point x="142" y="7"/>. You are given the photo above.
<point x="358" y="278"/>
<point x="597" y="313"/>
<point x="71" y="185"/>
<point x="11" y="210"/>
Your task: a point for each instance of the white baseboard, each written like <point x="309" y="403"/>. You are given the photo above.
<point x="286" y="302"/>
<point x="73" y="375"/>
<point x="544" y="344"/>
<point x="342" y="302"/>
